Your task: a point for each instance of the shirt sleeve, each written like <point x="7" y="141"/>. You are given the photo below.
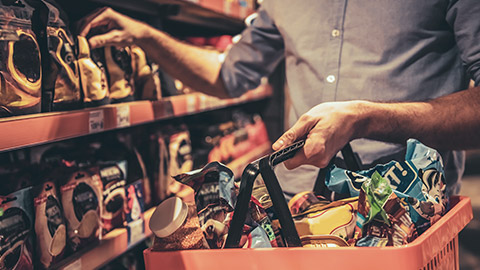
<point x="463" y="16"/>
<point x="256" y="55"/>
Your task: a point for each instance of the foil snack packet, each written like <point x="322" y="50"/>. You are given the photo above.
<point x="16" y="230"/>
<point x="419" y="180"/>
<point x="215" y="199"/>
<point x="382" y="219"/>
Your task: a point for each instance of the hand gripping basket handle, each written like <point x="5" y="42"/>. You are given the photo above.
<point x="265" y="166"/>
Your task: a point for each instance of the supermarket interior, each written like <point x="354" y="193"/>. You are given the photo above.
<point x="120" y="153"/>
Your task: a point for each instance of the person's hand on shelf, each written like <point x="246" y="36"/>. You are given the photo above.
<point x="106" y="27"/>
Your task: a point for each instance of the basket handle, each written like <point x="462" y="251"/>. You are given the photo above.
<point x="265" y="167"/>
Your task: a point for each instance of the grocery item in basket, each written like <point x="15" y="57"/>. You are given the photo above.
<point x="61" y="71"/>
<point x="176" y="227"/>
<point x="16" y="230"/>
<point x="81" y="194"/>
<point x="382" y="214"/>
<point x="120" y="73"/>
<point x="260" y="216"/>
<point x="337" y="218"/>
<point x="322" y="241"/>
<point x="93" y="74"/>
<point x="50" y="227"/>
<point x="257" y="238"/>
<point x="20" y="61"/>
<point x="418" y="180"/>
<point x="214" y="193"/>
<point x="113" y="195"/>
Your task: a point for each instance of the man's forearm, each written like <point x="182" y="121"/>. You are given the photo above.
<point x="449" y="122"/>
<point x="196" y="67"/>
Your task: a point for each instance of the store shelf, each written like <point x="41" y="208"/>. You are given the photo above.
<point x="30" y="130"/>
<point x="112" y="245"/>
<point x="218" y="14"/>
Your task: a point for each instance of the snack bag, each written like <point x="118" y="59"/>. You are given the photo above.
<point x="215" y="199"/>
<point x="50" y="227"/>
<point x="147" y="80"/>
<point x="419" y="180"/>
<point x="180" y="157"/>
<point x="16" y="230"/>
<point x="382" y="215"/>
<point x="93" y="74"/>
<point x="323" y="218"/>
<point x="82" y="206"/>
<point x="20" y="61"/>
<point x="62" y="67"/>
<point x="113" y="196"/>
<point x="120" y="73"/>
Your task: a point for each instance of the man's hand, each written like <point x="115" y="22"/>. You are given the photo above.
<point x="110" y="28"/>
<point x="327" y="128"/>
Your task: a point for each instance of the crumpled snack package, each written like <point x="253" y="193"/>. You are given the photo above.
<point x="382" y="215"/>
<point x="323" y="218"/>
<point x="50" y="227"/>
<point x="215" y="199"/>
<point x="16" y="230"/>
<point x="419" y="180"/>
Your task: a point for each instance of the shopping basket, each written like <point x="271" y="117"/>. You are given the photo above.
<point x="436" y="248"/>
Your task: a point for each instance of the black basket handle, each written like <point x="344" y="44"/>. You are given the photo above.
<point x="265" y="166"/>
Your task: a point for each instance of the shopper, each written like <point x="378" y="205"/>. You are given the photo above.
<point x="399" y="57"/>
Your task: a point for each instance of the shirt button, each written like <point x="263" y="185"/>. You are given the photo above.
<point x="335" y="33"/>
<point x="330" y="78"/>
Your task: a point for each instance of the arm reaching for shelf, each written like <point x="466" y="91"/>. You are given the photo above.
<point x="197" y="67"/>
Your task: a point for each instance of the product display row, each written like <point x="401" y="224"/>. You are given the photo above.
<point x="65" y="197"/>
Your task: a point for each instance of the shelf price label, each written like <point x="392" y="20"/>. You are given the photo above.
<point x="96" y="121"/>
<point x="123" y="116"/>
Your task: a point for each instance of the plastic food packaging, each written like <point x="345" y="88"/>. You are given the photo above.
<point x="419" y="180"/>
<point x="50" y="227"/>
<point x="16" y="229"/>
<point x="82" y="207"/>
<point x="176" y="227"/>
<point x="120" y="73"/>
<point x="322" y="241"/>
<point x="147" y="81"/>
<point x="61" y="71"/>
<point x="93" y="74"/>
<point x="20" y="61"/>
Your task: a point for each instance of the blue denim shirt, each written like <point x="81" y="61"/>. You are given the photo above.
<point x="378" y="50"/>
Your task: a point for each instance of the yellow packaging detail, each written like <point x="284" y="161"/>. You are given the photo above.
<point x="93" y="78"/>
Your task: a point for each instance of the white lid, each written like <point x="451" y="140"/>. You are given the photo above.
<point x="168" y="217"/>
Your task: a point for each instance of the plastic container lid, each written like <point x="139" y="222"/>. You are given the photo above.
<point x="168" y="217"/>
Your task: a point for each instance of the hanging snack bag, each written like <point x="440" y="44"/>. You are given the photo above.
<point x="16" y="230"/>
<point x="120" y="73"/>
<point x="62" y="67"/>
<point x="135" y="207"/>
<point x="180" y="157"/>
<point x="93" y="76"/>
<point x="419" y="180"/>
<point x="82" y="206"/>
<point x="50" y="227"/>
<point x="20" y="61"/>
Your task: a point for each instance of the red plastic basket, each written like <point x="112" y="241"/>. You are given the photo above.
<point x="437" y="248"/>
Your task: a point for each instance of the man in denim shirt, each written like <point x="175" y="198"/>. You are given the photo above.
<point x="360" y="71"/>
